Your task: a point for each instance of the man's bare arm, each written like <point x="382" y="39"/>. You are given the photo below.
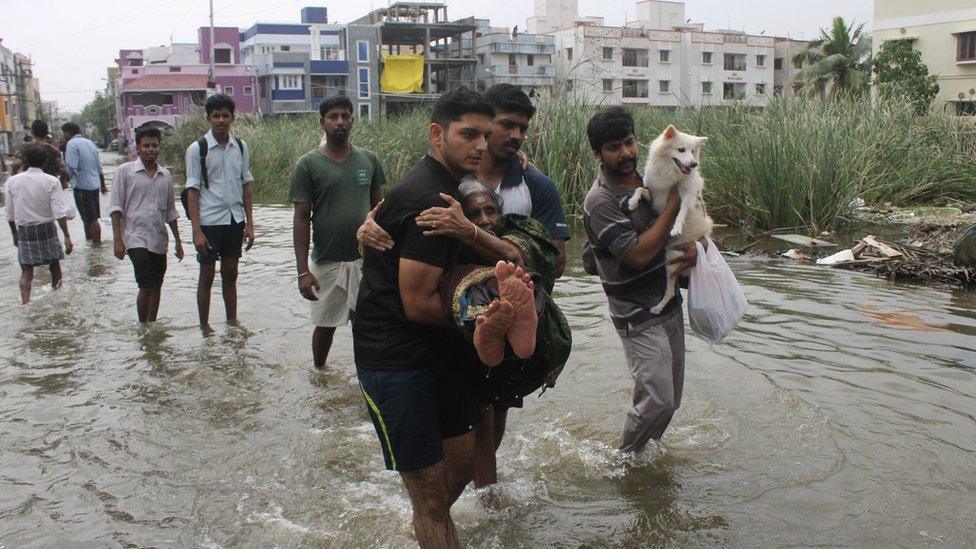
<point x="418" y="293"/>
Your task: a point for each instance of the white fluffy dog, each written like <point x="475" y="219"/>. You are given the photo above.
<point x="673" y="160"/>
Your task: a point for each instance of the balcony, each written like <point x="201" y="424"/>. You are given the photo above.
<point x="532" y="44"/>
<point x="522" y="71"/>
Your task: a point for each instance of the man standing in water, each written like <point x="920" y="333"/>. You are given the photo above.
<point x="629" y="249"/>
<point x="218" y="182"/>
<point x="524" y="191"/>
<point x="408" y="357"/>
<point x="141" y="205"/>
<point x="85" y="170"/>
<point x="33" y="201"/>
<point x="333" y="188"/>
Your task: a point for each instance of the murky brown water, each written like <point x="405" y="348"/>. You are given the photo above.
<point x="840" y="413"/>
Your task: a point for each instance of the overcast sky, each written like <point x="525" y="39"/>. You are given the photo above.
<point x="73" y="41"/>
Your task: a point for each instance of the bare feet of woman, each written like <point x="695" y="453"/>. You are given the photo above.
<point x="516" y="288"/>
<point x="489" y="332"/>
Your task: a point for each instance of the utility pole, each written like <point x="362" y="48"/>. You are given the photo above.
<point x="212" y="77"/>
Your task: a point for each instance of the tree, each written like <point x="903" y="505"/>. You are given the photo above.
<point x="900" y="73"/>
<point x="838" y="61"/>
<point x="100" y="113"/>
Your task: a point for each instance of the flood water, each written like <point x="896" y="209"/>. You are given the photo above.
<point x="840" y="413"/>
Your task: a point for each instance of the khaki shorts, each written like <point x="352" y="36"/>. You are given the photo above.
<point x="338" y="291"/>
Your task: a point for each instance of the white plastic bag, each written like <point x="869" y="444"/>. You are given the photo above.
<point x="715" y="299"/>
<point x="67" y="205"/>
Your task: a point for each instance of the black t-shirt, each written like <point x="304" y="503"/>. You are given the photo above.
<point x="383" y="338"/>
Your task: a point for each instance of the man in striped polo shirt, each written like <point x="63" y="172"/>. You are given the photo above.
<point x="629" y="252"/>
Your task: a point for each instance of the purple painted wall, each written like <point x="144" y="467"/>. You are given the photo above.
<point x="222" y="35"/>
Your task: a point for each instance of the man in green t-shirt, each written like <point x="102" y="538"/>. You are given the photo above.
<point x="333" y="188"/>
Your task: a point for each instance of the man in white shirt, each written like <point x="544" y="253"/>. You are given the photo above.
<point x="33" y="202"/>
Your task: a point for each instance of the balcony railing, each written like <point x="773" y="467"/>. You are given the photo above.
<point x="541" y="71"/>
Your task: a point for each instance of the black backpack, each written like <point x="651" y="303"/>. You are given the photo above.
<point x="203" y="148"/>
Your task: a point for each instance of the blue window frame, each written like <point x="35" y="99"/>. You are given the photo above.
<point x="364" y="83"/>
<point x="362" y="51"/>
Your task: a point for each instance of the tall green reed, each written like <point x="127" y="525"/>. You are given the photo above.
<point x="798" y="162"/>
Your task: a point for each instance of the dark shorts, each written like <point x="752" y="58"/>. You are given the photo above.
<point x="414" y="410"/>
<point x="225" y="241"/>
<point x="149" y="268"/>
<point x="88" y="205"/>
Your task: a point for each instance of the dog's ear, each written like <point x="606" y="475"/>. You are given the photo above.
<point x="670" y="132"/>
<point x="702" y="141"/>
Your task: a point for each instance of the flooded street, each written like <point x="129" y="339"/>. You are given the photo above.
<point x="841" y="412"/>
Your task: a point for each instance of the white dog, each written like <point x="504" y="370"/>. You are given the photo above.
<point x="673" y="160"/>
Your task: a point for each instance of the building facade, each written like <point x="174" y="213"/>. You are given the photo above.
<point x="508" y="57"/>
<point x="158" y="86"/>
<point x="298" y="65"/>
<point x="785" y="66"/>
<point x="665" y="68"/>
<point x="944" y="32"/>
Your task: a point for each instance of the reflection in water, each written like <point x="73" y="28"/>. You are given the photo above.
<point x="840" y="396"/>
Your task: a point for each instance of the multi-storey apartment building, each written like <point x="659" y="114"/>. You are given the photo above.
<point x="659" y="59"/>
<point x="410" y="28"/>
<point x="508" y="57"/>
<point x="944" y="32"/>
<point x="157" y="86"/>
<point x="298" y="65"/>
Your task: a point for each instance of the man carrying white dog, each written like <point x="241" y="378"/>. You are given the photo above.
<point x="628" y="249"/>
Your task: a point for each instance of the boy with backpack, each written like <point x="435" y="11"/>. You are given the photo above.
<point x="219" y="205"/>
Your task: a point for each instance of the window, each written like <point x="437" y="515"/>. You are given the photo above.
<point x="289" y="82"/>
<point x="330" y="53"/>
<point x="665" y="56"/>
<point x="175" y="69"/>
<point x="364" y="111"/>
<point x="569" y="85"/>
<point x="778" y="64"/>
<point x="248" y="90"/>
<point x="733" y="90"/>
<point x="362" y="51"/>
<point x="735" y="61"/>
<point x="263" y="91"/>
<point x="760" y="61"/>
<point x="706" y="88"/>
<point x="134" y="62"/>
<point x="228" y="90"/>
<point x="761" y="89"/>
<point x="797" y="63"/>
<point x="635" y="58"/>
<point x="151" y="98"/>
<point x="363" y="83"/>
<point x="285" y="48"/>
<point x="511" y="59"/>
<point x="607" y="85"/>
<point x="222" y="55"/>
<point x="706" y="58"/>
<point x="135" y="71"/>
<point x="569" y="54"/>
<point x="530" y="60"/>
<point x="635" y="88"/>
<point x="664" y="86"/>
<point x="965" y="47"/>
<point x="607" y="53"/>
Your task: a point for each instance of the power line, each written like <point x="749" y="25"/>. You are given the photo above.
<point x="264" y="11"/>
<point x="112" y="22"/>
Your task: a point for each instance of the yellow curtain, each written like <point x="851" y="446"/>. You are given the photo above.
<point x="402" y="74"/>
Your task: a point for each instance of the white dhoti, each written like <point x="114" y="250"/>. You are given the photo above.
<point x="338" y="291"/>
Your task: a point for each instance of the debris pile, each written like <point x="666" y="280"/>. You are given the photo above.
<point x="926" y="255"/>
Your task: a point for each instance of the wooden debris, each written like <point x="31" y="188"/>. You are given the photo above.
<point x="806" y="241"/>
<point x="885" y="249"/>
